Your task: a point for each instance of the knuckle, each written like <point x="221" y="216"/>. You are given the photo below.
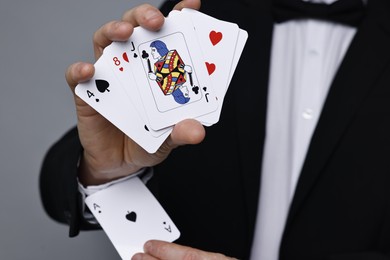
<point x="135" y="11"/>
<point x="191" y="255"/>
<point x="165" y="148"/>
<point x="102" y="31"/>
<point x="160" y="251"/>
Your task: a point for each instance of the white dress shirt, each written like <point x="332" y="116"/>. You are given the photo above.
<point x="304" y="59"/>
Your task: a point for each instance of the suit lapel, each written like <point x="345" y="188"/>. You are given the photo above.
<point x="364" y="62"/>
<point x="250" y="98"/>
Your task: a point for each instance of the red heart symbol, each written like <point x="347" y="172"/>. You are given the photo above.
<point x="210" y="67"/>
<point x="121" y="68"/>
<point x="215" y="37"/>
<point x="124" y="56"/>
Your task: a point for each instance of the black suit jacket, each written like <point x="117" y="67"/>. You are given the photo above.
<point x="341" y="207"/>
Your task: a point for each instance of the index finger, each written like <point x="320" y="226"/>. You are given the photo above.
<point x="193" y="4"/>
<point x="109" y="32"/>
<point x="146" y="15"/>
<point x="170" y="251"/>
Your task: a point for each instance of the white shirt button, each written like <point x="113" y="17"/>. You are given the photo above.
<point x="307" y="114"/>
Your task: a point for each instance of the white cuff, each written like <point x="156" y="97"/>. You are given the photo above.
<point x="147" y="174"/>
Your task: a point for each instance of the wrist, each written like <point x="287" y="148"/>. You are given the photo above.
<point x="90" y="175"/>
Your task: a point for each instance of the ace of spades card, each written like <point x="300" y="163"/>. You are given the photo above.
<point x="171" y="76"/>
<point x="130" y="215"/>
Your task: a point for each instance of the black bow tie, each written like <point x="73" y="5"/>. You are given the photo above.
<point x="349" y="12"/>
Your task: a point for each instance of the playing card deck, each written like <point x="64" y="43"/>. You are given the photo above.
<point x="145" y="85"/>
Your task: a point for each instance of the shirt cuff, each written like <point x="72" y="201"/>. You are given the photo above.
<point x="145" y="174"/>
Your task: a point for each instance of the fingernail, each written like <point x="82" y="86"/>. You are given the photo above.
<point x="136" y="257"/>
<point x="119" y="24"/>
<point x="147" y="246"/>
<point x="80" y="69"/>
<point x="151" y="14"/>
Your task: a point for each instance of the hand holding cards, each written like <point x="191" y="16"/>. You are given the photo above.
<point x="147" y="84"/>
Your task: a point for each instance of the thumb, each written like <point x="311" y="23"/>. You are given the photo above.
<point x="188" y="131"/>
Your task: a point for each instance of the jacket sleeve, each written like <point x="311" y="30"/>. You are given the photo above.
<point x="58" y="183"/>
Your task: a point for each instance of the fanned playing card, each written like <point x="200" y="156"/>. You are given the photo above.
<point x="106" y="95"/>
<point x="117" y="57"/>
<point x="219" y="43"/>
<point x="146" y="85"/>
<point x="130" y="215"/>
<point x="170" y="73"/>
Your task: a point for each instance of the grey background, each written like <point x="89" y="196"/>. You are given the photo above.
<point x="38" y="40"/>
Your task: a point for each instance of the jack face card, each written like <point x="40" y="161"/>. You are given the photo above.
<point x="171" y="75"/>
<point x="117" y="57"/>
<point x="130" y="215"/>
<point x="172" y="80"/>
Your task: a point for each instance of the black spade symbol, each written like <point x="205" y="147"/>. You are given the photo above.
<point x="204" y="88"/>
<point x="135" y="55"/>
<point x="102" y="85"/>
<point x="131" y="216"/>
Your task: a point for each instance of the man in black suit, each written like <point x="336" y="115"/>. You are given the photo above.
<point x="339" y="204"/>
